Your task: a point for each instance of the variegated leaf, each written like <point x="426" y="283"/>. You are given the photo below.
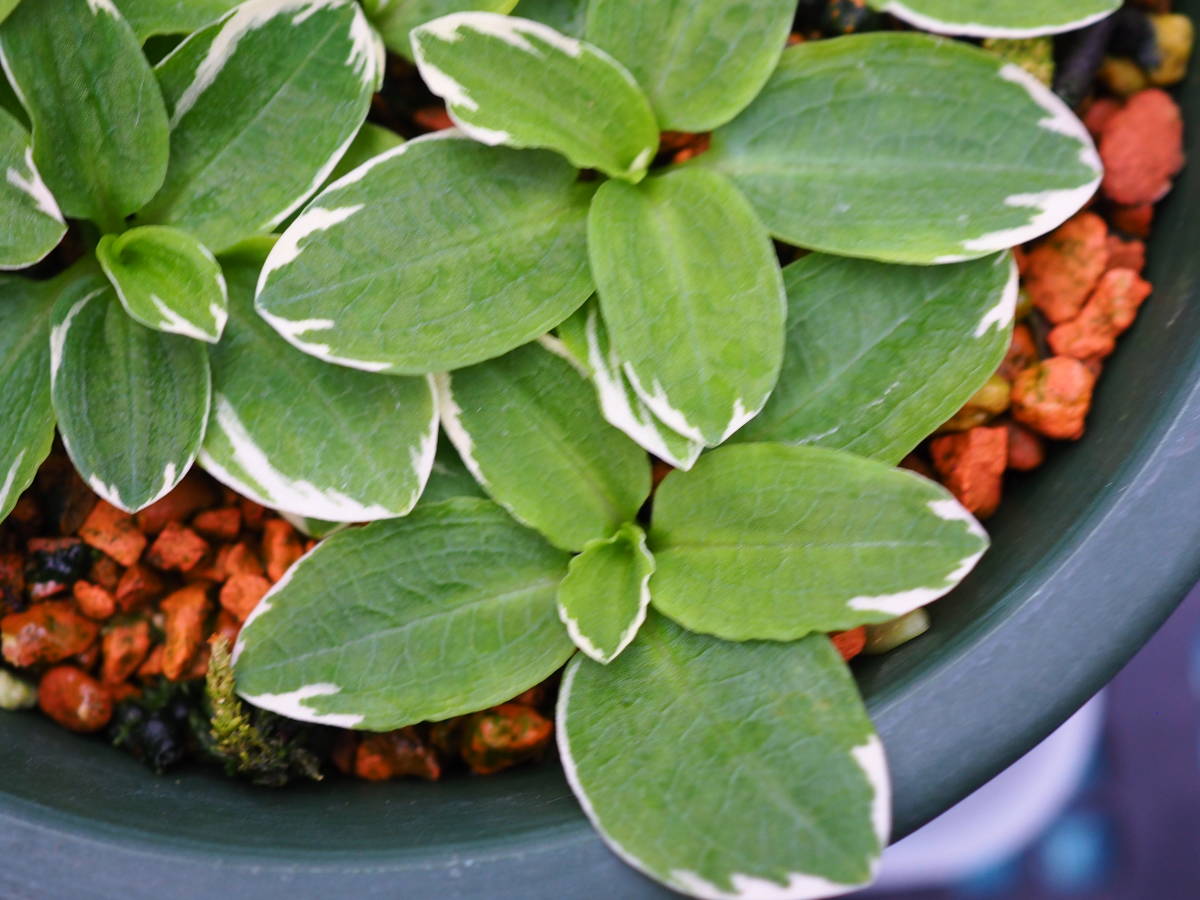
<point x="305" y="437"/>
<point x="33" y="224"/>
<point x="699" y="61"/>
<point x="879" y="355"/>
<point x="998" y="18"/>
<point x="604" y="598"/>
<point x="25" y="406"/>
<point x="99" y="126"/>
<point x="906" y="148"/>
<point x="450" y="610"/>
<point x="274" y="73"/>
<point x="131" y="402"/>
<point x="701" y="343"/>
<point x="730" y="771"/>
<point x="769" y="541"/>
<point x="520" y="83"/>
<point x="167" y="280"/>
<point x="528" y="429"/>
<point x="585" y="337"/>
<point x="395" y="19"/>
<point x="486" y="249"/>
<point x="154" y="17"/>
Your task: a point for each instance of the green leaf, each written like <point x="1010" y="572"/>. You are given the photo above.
<point x="167" y="280"/>
<point x="131" y="402"/>
<point x="879" y="355"/>
<point x="512" y="81"/>
<point x="153" y="17"/>
<point x="701" y="343"/>
<point x="567" y="16"/>
<point x="33" y="224"/>
<point x="395" y="19"/>
<point x="700" y="62"/>
<point x="604" y="598"/>
<point x="486" y="250"/>
<point x="6" y="7"/>
<point x="906" y="148"/>
<point x="728" y="770"/>
<point x="305" y="437"/>
<point x="528" y="429"/>
<point x="585" y="338"/>
<point x="772" y="541"/>
<point x="313" y="528"/>
<point x="371" y="141"/>
<point x="99" y="126"/>
<point x="25" y="407"/>
<point x="274" y="74"/>
<point x="449" y="478"/>
<point x="998" y="18"/>
<point x="449" y="610"/>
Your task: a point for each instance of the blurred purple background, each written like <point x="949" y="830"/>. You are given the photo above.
<point x="1110" y="805"/>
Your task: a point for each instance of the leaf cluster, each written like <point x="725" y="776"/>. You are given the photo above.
<point x="473" y="339"/>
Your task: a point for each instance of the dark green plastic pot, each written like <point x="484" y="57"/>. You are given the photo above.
<point x="1091" y="554"/>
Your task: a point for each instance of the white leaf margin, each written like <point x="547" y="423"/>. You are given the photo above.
<point x="925" y="22"/>
<point x="276" y="489"/>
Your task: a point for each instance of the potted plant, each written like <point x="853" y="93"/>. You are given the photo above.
<point x="750" y="553"/>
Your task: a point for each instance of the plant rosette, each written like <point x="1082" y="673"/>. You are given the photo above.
<point x="537" y="283"/>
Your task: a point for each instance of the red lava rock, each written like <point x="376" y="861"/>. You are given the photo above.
<point x="281" y="547"/>
<point x="1022" y="353"/>
<point x="12" y="580"/>
<point x="190" y="495"/>
<point x="536" y="696"/>
<point x="138" y="586"/>
<point x="698" y="143"/>
<point x="392" y="754"/>
<point x="1063" y="269"/>
<point x="177" y="548"/>
<point x="1099" y="113"/>
<point x="113" y="532"/>
<point x="1133" y="220"/>
<point x="153" y="666"/>
<point x="220" y="524"/>
<point x="433" y="118"/>
<point x="186" y="613"/>
<point x="74" y="699"/>
<point x="1110" y="311"/>
<point x="227" y="627"/>
<point x="345" y="752"/>
<point x="1053" y="397"/>
<point x="1142" y="148"/>
<point x="239" y="559"/>
<point x="94" y="601"/>
<point x="26" y="512"/>
<point x="46" y="633"/>
<point x="914" y="463"/>
<point x="124" y="647"/>
<point x="1126" y="254"/>
<point x="253" y="515"/>
<point x="241" y="593"/>
<point x="1026" y="450"/>
<point x="850" y="643"/>
<point x="971" y="465"/>
<point x="504" y="736"/>
<point x="88" y="658"/>
<point x="105" y="572"/>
